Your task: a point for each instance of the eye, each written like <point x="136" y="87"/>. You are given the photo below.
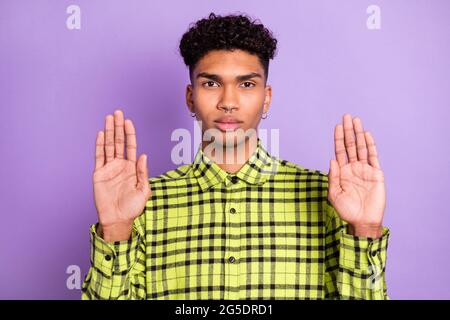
<point x="207" y="84"/>
<point x="248" y="83"/>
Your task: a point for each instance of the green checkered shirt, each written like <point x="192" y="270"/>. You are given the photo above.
<point x="265" y="232"/>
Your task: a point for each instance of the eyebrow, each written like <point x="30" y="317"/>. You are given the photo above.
<point x="218" y="78"/>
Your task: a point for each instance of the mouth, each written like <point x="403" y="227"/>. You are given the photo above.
<point x="228" y="124"/>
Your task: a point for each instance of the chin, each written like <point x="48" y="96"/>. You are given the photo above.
<point x="233" y="139"/>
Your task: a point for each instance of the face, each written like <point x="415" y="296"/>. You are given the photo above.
<point x="228" y="95"/>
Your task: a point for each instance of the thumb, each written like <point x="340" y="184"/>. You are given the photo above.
<point x="334" y="179"/>
<point x="142" y="174"/>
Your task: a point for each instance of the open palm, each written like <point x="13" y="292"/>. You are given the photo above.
<point x="121" y="187"/>
<point x="356" y="186"/>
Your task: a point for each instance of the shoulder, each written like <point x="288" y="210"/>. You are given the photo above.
<point x="317" y="181"/>
<point x="171" y="176"/>
<point x="291" y="168"/>
<point x="313" y="180"/>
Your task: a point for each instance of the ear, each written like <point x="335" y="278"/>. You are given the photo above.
<point x="189" y="100"/>
<point x="267" y="98"/>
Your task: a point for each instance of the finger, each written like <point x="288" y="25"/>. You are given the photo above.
<point x="142" y="175"/>
<point x="334" y="185"/>
<point x="349" y="137"/>
<point x="339" y="147"/>
<point x="130" y="133"/>
<point x="373" y="155"/>
<point x="99" y="150"/>
<point x="119" y="135"/>
<point x="360" y="140"/>
<point x="109" y="138"/>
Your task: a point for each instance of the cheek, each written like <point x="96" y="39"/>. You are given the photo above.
<point x="253" y="103"/>
<point x="204" y="99"/>
<point x="204" y="103"/>
<point x="253" y="97"/>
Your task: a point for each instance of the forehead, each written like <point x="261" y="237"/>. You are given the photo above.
<point x="225" y="62"/>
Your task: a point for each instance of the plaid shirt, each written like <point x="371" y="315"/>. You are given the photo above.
<point x="265" y="232"/>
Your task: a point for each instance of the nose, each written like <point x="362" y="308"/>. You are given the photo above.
<point x="226" y="108"/>
<point x="229" y="100"/>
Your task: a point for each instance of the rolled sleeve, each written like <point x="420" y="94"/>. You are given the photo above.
<point x="363" y="262"/>
<point x="113" y="257"/>
<point x="361" y="252"/>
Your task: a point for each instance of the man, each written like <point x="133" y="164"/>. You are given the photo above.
<point x="241" y="224"/>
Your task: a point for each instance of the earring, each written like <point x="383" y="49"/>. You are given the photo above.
<point x="265" y="116"/>
<point x="192" y="115"/>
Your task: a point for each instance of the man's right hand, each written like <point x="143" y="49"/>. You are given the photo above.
<point x="121" y="187"/>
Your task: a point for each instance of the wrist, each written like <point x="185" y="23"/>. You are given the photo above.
<point x="115" y="232"/>
<point x="373" y="232"/>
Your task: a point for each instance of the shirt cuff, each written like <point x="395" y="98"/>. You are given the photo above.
<point x="363" y="254"/>
<point x="113" y="257"/>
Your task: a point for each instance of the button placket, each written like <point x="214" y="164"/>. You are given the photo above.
<point x="234" y="218"/>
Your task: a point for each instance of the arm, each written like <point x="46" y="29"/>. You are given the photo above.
<point x="117" y="268"/>
<point x="121" y="190"/>
<point x="355" y="239"/>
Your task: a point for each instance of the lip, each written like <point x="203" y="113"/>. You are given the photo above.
<point x="227" y="126"/>
<point x="227" y="123"/>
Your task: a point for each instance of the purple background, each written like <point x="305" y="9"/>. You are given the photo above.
<point x="56" y="86"/>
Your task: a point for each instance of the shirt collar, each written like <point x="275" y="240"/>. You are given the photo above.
<point x="255" y="171"/>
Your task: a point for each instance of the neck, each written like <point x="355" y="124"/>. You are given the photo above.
<point x="230" y="159"/>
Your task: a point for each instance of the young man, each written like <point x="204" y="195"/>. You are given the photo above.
<point x="241" y="224"/>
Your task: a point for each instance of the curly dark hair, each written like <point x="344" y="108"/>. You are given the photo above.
<point x="227" y="33"/>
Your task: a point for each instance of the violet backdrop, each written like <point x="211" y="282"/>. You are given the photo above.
<point x="57" y="84"/>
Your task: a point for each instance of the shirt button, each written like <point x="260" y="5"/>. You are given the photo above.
<point x="233" y="210"/>
<point x="108" y="257"/>
<point x="374" y="253"/>
<point x="232" y="259"/>
<point x="234" y="179"/>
